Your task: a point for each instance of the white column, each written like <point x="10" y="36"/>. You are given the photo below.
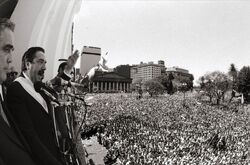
<point x="124" y="86"/>
<point x="101" y="86"/>
<point x="117" y="86"/>
<point x="98" y="85"/>
<point x="93" y="85"/>
<point x="109" y="86"/>
<point x="125" y="89"/>
<point x="120" y="86"/>
<point x="105" y="86"/>
<point x="113" y="86"/>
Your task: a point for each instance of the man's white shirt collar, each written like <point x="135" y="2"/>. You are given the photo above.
<point x="1" y="91"/>
<point x="29" y="81"/>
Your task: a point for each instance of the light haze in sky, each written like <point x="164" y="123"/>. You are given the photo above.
<point x="199" y="35"/>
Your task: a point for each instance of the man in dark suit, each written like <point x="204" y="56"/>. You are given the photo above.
<point x="32" y="110"/>
<point x="13" y="147"/>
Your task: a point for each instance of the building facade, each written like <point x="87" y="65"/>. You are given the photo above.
<point x="147" y="71"/>
<point x="180" y="74"/>
<point x="89" y="58"/>
<point x="110" y="82"/>
<point x="176" y="69"/>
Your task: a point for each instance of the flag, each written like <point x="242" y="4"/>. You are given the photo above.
<point x="102" y="63"/>
<point x="91" y="72"/>
<point x="100" y="66"/>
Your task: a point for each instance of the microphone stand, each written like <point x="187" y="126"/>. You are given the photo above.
<point x="84" y="117"/>
<point x="75" y="130"/>
<point x="78" y="130"/>
<point x="70" y="118"/>
<point x="69" y="154"/>
<point x="54" y="104"/>
<point x="70" y="105"/>
<point x="85" y="112"/>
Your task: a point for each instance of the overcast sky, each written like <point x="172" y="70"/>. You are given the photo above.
<point x="198" y="35"/>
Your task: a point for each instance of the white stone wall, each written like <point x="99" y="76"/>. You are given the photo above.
<point x="45" y="23"/>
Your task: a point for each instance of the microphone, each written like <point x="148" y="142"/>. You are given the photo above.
<point x="74" y="96"/>
<point x="79" y="98"/>
<point x="69" y="84"/>
<point x="39" y="86"/>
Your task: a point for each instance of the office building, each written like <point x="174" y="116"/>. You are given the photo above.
<point x="147" y="71"/>
<point x="90" y="57"/>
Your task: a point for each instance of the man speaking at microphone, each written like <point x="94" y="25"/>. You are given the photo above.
<point x="32" y="110"/>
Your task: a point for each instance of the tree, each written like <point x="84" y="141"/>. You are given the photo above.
<point x="153" y="87"/>
<point x="170" y="76"/>
<point x="188" y="80"/>
<point x="163" y="79"/>
<point x="202" y="82"/>
<point x="216" y="84"/>
<point x="123" y="70"/>
<point x="233" y="72"/>
<point x="137" y="87"/>
<point x="136" y="84"/>
<point x="166" y="81"/>
<point x="190" y="83"/>
<point x="170" y="87"/>
<point x="233" y="75"/>
<point x="208" y="88"/>
<point x="243" y="81"/>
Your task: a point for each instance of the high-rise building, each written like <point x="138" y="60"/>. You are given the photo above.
<point x="146" y="71"/>
<point x="89" y="58"/>
<point x="162" y="64"/>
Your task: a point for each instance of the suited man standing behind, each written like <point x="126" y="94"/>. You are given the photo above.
<point x="13" y="147"/>
<point x="33" y="110"/>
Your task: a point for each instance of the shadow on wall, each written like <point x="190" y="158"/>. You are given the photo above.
<point x="7" y="7"/>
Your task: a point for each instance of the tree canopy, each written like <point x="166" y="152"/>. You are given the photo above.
<point x="215" y="85"/>
<point x="243" y="81"/>
<point x="153" y="87"/>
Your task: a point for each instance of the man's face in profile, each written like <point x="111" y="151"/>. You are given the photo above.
<point x="37" y="67"/>
<point x="6" y="50"/>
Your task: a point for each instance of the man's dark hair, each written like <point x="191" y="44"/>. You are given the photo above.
<point x="29" y="56"/>
<point x="61" y="66"/>
<point x="6" y="23"/>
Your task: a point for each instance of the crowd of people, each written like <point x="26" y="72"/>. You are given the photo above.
<point x="163" y="131"/>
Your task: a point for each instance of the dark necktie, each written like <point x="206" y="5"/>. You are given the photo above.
<point x="2" y="111"/>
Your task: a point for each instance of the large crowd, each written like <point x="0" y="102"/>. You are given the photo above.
<point x="163" y="131"/>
